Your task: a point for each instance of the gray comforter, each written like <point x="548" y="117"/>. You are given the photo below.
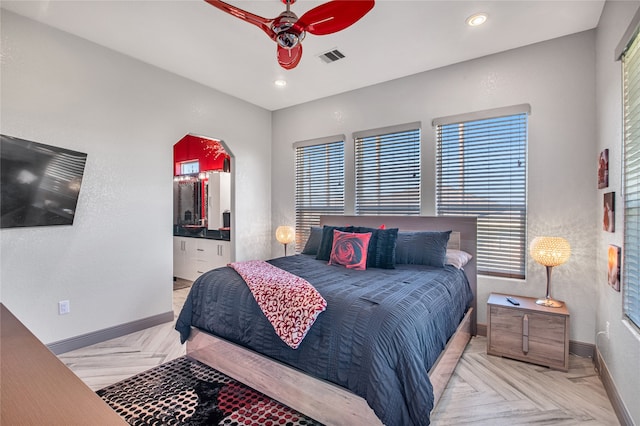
<point x="381" y="332"/>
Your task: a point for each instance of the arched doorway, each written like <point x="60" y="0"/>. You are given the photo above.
<point x="202" y="206"/>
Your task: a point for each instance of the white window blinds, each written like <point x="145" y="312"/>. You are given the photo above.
<point x="319" y="183"/>
<point x="481" y="171"/>
<point x="387" y="166"/>
<point x="631" y="260"/>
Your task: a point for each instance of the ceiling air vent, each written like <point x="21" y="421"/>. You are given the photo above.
<point x="331" y="56"/>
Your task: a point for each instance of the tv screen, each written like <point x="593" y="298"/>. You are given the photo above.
<point x="39" y="183"/>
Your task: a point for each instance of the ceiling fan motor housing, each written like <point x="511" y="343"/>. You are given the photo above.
<point x="286" y="34"/>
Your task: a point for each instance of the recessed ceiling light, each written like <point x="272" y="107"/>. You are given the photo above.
<point x="280" y="83"/>
<point x="477" y="19"/>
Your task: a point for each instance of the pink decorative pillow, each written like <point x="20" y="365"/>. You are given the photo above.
<point x="350" y="249"/>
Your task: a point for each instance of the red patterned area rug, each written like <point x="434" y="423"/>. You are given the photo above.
<point x="187" y="392"/>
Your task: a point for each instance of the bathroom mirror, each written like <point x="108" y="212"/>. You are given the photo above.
<point x="201" y="188"/>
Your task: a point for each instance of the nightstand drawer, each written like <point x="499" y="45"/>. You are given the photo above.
<point x="509" y="320"/>
<point x="528" y="332"/>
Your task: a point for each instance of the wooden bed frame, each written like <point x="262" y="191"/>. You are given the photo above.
<point x="320" y="399"/>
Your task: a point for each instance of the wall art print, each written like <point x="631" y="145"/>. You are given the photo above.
<point x="614" y="267"/>
<point x="609" y="212"/>
<point x="603" y="169"/>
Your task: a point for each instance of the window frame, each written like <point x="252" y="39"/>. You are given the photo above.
<point x="499" y="266"/>
<point x="628" y="50"/>
<point x="381" y="196"/>
<point x="307" y="215"/>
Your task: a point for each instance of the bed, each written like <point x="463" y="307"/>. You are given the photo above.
<point x="344" y="372"/>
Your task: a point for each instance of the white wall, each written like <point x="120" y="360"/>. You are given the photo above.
<point x="115" y="263"/>
<point x="621" y="351"/>
<point x="557" y="78"/>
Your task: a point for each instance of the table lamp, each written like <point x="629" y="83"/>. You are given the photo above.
<point x="550" y="252"/>
<point x="285" y="235"/>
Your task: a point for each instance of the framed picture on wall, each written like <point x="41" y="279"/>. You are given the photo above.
<point x="603" y="169"/>
<point x="609" y="212"/>
<point x="614" y="267"/>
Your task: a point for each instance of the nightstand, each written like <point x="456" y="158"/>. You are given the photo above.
<point x="528" y="332"/>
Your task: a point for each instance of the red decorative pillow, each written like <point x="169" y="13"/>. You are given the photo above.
<point x="350" y="249"/>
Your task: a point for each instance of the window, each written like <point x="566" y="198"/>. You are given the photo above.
<point x="387" y="163"/>
<point x="481" y="171"/>
<point x="319" y="183"/>
<point x="631" y="178"/>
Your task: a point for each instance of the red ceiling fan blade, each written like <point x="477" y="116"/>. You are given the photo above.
<point x="289" y="58"/>
<point x="263" y="23"/>
<point x="333" y="16"/>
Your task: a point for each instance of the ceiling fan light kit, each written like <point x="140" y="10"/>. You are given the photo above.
<point x="288" y="31"/>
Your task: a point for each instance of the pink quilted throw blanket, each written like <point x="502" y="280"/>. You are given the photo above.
<point x="290" y="303"/>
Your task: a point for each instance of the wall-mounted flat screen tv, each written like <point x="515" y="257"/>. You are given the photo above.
<point x="39" y="183"/>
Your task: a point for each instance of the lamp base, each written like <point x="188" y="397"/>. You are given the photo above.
<point x="550" y="303"/>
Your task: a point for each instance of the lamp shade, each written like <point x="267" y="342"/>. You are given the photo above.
<point x="285" y="234"/>
<point x="550" y="251"/>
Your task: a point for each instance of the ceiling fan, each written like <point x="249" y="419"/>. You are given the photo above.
<point x="288" y="31"/>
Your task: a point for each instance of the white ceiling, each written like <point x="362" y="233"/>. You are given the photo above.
<point x="397" y="38"/>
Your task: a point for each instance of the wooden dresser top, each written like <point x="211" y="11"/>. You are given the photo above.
<point x="38" y="389"/>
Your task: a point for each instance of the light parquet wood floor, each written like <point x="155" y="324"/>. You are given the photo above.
<point x="114" y="360"/>
<point x="485" y="390"/>
<point x="489" y="390"/>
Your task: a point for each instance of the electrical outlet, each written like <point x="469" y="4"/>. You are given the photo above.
<point x="63" y="307"/>
<point x="607" y="329"/>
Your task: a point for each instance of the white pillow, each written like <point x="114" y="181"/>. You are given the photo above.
<point x="457" y="258"/>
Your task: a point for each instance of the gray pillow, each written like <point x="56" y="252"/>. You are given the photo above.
<point x="422" y="248"/>
<point x="313" y="242"/>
